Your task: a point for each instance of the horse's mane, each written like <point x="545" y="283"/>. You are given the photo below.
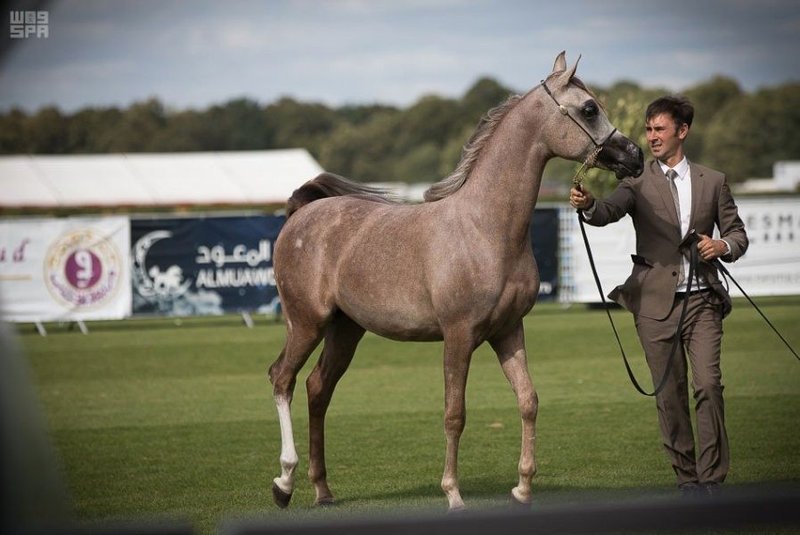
<point x="471" y="152"/>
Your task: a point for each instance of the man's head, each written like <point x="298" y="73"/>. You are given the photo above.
<point x="667" y="123"/>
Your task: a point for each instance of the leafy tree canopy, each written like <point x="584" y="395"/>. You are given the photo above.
<point x="738" y="132"/>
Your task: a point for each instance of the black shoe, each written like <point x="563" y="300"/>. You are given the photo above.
<point x="711" y="489"/>
<point x="690" y="489"/>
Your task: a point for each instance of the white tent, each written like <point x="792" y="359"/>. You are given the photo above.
<point x="156" y="179"/>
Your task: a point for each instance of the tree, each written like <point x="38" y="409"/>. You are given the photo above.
<point x="239" y="124"/>
<point x="362" y="152"/>
<point x="187" y="131"/>
<point x="13" y="133"/>
<point x="429" y="120"/>
<point x="293" y="124"/>
<point x="92" y="130"/>
<point x="751" y="132"/>
<point x="47" y="132"/>
<point x="358" y="115"/>
<point x="737" y="132"/>
<point x="484" y="95"/>
<point x="708" y="99"/>
<point x="138" y="127"/>
<point x="242" y="125"/>
<point x="420" y="164"/>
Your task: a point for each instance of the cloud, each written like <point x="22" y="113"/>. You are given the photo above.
<point x="337" y="51"/>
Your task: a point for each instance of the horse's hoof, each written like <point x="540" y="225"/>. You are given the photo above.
<point x="281" y="498"/>
<point x="325" y="502"/>
<point x="518" y="504"/>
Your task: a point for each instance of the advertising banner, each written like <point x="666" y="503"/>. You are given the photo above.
<point x="612" y="247"/>
<point x="65" y="269"/>
<point x="771" y="265"/>
<point x="201" y="266"/>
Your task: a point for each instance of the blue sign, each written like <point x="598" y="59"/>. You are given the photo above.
<point x="205" y="265"/>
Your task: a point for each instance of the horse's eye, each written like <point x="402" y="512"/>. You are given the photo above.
<point x="590" y="110"/>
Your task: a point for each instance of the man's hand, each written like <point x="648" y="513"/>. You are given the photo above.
<point x="580" y="199"/>
<point x="711" y="249"/>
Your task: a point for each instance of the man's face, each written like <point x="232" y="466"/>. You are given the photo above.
<point x="664" y="139"/>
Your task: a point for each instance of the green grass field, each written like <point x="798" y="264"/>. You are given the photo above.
<point x="157" y="420"/>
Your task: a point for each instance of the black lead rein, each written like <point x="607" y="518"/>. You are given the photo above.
<point x="693" y="260"/>
<point x="676" y="340"/>
<point x="588" y="163"/>
<point x="727" y="275"/>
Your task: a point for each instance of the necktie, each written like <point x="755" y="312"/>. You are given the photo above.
<point x="672" y="175"/>
<point x="673" y="188"/>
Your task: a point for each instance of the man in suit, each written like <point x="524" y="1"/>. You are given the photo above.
<point x="671" y="200"/>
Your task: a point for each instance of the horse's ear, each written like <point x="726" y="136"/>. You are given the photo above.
<point x="560" y="64"/>
<point x="566" y="75"/>
<point x="574" y="68"/>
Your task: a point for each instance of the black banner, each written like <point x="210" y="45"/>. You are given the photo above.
<point x="544" y="239"/>
<point x="200" y="266"/>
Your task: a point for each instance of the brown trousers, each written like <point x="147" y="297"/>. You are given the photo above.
<point x="701" y="341"/>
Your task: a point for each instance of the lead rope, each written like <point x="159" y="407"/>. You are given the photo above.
<point x="577" y="181"/>
<point x="676" y="338"/>
<point x="727" y="275"/>
<point x="587" y="164"/>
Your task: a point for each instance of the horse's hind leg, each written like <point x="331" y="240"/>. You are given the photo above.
<point x="300" y="342"/>
<point x="341" y="338"/>
<point x="510" y="351"/>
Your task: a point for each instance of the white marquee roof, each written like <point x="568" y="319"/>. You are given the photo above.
<point x="156" y="179"/>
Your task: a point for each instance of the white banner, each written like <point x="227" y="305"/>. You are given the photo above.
<point x="65" y="269"/>
<point x="612" y="246"/>
<point x="771" y="265"/>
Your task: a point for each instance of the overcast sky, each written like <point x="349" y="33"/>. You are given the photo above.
<point x="192" y="54"/>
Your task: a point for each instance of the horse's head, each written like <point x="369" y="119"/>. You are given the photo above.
<point x="581" y="130"/>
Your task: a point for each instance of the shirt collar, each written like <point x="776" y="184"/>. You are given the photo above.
<point x="682" y="168"/>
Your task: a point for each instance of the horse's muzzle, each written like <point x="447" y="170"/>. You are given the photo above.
<point x="622" y="156"/>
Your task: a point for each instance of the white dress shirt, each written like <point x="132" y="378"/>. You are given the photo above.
<point x="683" y="182"/>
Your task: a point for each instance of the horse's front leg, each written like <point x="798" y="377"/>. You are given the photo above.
<point x="457" y="355"/>
<point x="510" y="350"/>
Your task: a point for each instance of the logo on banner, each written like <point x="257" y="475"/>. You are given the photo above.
<point x="167" y="284"/>
<point x="167" y="290"/>
<point x="82" y="269"/>
<point x="203" y="266"/>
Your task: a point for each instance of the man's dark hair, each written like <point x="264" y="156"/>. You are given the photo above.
<point x="676" y="106"/>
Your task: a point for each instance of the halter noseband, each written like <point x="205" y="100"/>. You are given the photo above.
<point x="592" y="157"/>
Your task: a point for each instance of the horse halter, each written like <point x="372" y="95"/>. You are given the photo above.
<point x="591" y="159"/>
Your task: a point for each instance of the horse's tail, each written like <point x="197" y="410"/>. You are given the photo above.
<point x="330" y="185"/>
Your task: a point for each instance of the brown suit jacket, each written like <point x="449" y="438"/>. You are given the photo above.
<point x="650" y="289"/>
